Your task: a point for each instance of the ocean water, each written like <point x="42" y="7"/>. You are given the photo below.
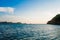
<point x="29" y="32"/>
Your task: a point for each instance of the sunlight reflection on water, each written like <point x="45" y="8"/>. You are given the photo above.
<point x="29" y="32"/>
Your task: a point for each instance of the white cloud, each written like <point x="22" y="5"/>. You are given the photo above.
<point x="7" y="9"/>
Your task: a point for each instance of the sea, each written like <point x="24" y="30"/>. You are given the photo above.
<point x="29" y="32"/>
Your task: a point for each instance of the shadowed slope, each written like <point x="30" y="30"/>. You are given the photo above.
<point x="55" y="20"/>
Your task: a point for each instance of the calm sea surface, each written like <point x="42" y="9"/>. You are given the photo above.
<point x="29" y="32"/>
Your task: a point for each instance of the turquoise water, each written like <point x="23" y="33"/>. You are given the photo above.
<point x="29" y="32"/>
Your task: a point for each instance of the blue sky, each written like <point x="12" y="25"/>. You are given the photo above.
<point x="29" y="11"/>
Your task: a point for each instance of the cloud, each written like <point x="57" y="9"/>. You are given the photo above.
<point x="7" y="10"/>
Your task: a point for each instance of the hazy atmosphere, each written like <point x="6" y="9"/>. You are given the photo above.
<point x="29" y="19"/>
<point x="29" y="11"/>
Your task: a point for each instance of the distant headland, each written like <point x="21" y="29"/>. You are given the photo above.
<point x="55" y="20"/>
<point x="11" y="23"/>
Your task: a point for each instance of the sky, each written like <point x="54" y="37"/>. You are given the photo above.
<point x="29" y="11"/>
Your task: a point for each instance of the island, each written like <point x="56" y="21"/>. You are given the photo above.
<point x="5" y="22"/>
<point x="55" y="20"/>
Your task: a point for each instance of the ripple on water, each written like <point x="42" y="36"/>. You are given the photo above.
<point x="29" y="32"/>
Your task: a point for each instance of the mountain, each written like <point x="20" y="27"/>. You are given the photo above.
<point x="55" y="20"/>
